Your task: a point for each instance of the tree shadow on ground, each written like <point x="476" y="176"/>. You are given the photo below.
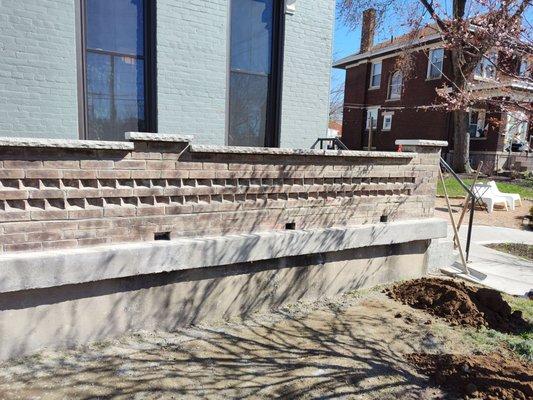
<point x="336" y="352"/>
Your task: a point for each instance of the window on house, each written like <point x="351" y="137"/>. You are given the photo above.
<point x="375" y="79"/>
<point x="254" y="70"/>
<point x="524" y="68"/>
<point x="395" y="86"/>
<point x="387" y="122"/>
<point x="115" y="65"/>
<point x="372" y="118"/>
<point x="476" y="124"/>
<point x="486" y="68"/>
<point x="516" y="127"/>
<point x="435" y="64"/>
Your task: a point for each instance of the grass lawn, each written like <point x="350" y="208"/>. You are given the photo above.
<point x="524" y="187"/>
<point x="516" y="249"/>
<point x="521" y="344"/>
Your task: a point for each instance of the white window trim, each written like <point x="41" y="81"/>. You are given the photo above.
<point x="372" y="74"/>
<point x="368" y="109"/>
<point x="515" y="115"/>
<point x="428" y="77"/>
<point x="387" y="115"/>
<point x="483" y="77"/>
<point x="481" y="112"/>
<point x="523" y="73"/>
<point x="389" y="89"/>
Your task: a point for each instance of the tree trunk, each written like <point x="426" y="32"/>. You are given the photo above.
<point x="461" y="136"/>
<point x="461" y="142"/>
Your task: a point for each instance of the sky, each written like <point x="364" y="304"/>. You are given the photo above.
<point x="347" y="42"/>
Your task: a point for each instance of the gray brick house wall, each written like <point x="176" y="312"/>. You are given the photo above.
<point x="38" y="73"/>
<point x="38" y="78"/>
<point x="191" y="68"/>
<point x="306" y="72"/>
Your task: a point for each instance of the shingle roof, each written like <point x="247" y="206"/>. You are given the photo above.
<point x="408" y="37"/>
<point x="425" y="34"/>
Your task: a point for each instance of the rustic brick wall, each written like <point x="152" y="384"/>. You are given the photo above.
<point x="53" y="198"/>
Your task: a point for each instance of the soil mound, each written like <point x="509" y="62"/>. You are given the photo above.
<point x="478" y="376"/>
<point x="460" y="304"/>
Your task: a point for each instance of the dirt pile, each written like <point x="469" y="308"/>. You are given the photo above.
<point x="460" y="304"/>
<point x="488" y="377"/>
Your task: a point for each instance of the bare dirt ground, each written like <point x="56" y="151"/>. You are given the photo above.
<point x="352" y="347"/>
<point x="499" y="217"/>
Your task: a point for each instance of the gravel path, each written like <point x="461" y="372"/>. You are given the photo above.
<point x="499" y="217"/>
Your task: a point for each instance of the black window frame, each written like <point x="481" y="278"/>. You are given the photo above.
<point x="273" y="111"/>
<point x="150" y="66"/>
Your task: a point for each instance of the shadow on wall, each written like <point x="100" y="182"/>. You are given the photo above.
<point x="328" y="354"/>
<point x="78" y="314"/>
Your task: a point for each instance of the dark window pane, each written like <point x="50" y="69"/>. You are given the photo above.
<point x="116" y="25"/>
<point x="129" y="95"/>
<point x="251" y="35"/>
<point x="248" y="105"/>
<point x="115" y="96"/>
<point x="99" y="94"/>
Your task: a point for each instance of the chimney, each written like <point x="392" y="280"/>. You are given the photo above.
<point x="369" y="29"/>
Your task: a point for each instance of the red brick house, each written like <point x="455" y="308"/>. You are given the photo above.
<point x="377" y="91"/>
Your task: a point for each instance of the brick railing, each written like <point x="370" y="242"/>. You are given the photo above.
<point x="61" y="194"/>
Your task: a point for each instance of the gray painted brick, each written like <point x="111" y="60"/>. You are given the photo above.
<point x="192" y="67"/>
<point x="306" y="73"/>
<point x="38" y="81"/>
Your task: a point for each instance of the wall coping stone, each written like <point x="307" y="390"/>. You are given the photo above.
<point x="65" y="143"/>
<point x="421" y="142"/>
<point x="297" y="152"/>
<point x="157" y="137"/>
<point x="24" y="271"/>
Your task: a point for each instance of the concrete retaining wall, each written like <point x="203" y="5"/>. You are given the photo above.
<point x="78" y="314"/>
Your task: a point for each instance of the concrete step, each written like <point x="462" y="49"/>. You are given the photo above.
<point x="441" y="254"/>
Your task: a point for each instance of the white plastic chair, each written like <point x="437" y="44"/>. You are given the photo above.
<point x="511" y="197"/>
<point x="485" y="193"/>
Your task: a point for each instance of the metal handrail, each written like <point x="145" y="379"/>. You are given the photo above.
<point x="473" y="200"/>
<point x="334" y="142"/>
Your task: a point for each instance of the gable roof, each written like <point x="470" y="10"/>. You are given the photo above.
<point x="426" y="34"/>
<point x="408" y="37"/>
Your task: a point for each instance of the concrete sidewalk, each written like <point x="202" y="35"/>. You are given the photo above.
<point x="501" y="271"/>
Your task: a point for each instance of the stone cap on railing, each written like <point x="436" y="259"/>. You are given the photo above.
<point x="65" y="143"/>
<point x="421" y="142"/>
<point x="157" y="137"/>
<point x="296" y="152"/>
<point x="132" y="137"/>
